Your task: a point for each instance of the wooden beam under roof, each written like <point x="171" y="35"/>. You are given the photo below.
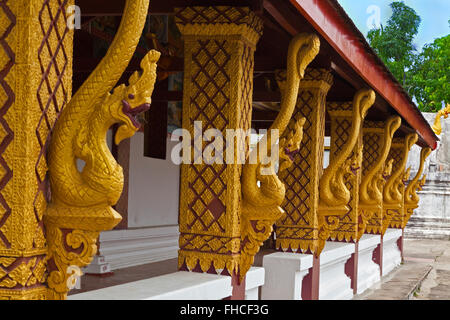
<point x="115" y="7"/>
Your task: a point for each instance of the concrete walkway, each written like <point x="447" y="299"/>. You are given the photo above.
<point x="424" y="275"/>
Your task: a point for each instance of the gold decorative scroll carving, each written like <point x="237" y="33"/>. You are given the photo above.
<point x="377" y="139"/>
<point x="297" y="229"/>
<point x="82" y="199"/>
<point x="36" y="83"/>
<point x="415" y="185"/>
<point x="261" y="204"/>
<point x="437" y="125"/>
<point x="334" y="194"/>
<point x="394" y="189"/>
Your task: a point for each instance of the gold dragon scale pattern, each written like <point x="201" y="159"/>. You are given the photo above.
<point x="81" y="202"/>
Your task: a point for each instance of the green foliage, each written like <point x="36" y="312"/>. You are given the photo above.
<point x="394" y="43"/>
<point x="430" y="75"/>
<point x="425" y="76"/>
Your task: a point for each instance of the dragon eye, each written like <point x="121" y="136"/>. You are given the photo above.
<point x="131" y="96"/>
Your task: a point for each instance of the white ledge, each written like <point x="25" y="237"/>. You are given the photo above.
<point x="392" y="234"/>
<point x="181" y="285"/>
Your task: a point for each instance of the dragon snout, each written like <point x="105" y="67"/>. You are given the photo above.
<point x="132" y="113"/>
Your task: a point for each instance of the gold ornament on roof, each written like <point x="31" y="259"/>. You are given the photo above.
<point x="437" y="127"/>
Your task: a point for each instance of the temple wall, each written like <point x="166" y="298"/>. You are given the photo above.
<point x="153" y="195"/>
<point x="153" y="198"/>
<point x="432" y="218"/>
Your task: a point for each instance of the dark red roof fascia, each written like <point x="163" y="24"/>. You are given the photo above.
<point x="340" y="32"/>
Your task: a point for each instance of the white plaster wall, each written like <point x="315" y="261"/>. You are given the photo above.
<point x="432" y="218"/>
<point x="153" y="195"/>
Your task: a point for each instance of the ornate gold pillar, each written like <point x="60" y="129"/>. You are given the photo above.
<point x="394" y="190"/>
<point x="219" y="45"/>
<point x="36" y="78"/>
<point x="339" y="185"/>
<point x="297" y="230"/>
<point x="377" y="139"/>
<point x="341" y="123"/>
<point x="416" y="184"/>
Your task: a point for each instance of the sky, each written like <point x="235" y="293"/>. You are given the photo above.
<point x="434" y="14"/>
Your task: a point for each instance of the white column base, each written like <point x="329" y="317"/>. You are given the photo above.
<point x="181" y="285"/>
<point x="254" y="279"/>
<point x="391" y="253"/>
<point x="334" y="283"/>
<point x="368" y="270"/>
<point x="284" y="275"/>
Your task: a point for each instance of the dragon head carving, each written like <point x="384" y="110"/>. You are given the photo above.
<point x="130" y="101"/>
<point x="290" y="145"/>
<point x="387" y="171"/>
<point x="356" y="160"/>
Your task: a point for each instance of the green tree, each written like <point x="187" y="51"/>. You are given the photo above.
<point x="394" y="42"/>
<point x="430" y="75"/>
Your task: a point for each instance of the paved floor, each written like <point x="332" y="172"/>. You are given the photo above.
<point x="424" y="275"/>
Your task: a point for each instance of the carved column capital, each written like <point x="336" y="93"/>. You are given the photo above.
<point x="219" y="21"/>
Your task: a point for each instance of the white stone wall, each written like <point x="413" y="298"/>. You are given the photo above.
<point x="154" y="187"/>
<point x="153" y="202"/>
<point x="432" y="218"/>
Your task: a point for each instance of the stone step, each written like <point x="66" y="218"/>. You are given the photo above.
<point x="420" y="227"/>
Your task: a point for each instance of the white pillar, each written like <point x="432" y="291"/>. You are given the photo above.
<point x="368" y="270"/>
<point x="334" y="283"/>
<point x="391" y="252"/>
<point x="284" y="275"/>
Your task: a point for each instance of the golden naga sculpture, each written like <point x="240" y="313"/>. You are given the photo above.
<point x="81" y="200"/>
<point x="333" y="192"/>
<point x="261" y="203"/>
<point x="393" y="193"/>
<point x="371" y="187"/>
<point x="437" y="127"/>
<point x="416" y="184"/>
<point x="394" y="190"/>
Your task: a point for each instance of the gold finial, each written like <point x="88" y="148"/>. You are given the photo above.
<point x="437" y="128"/>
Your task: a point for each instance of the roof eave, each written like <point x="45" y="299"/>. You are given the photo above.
<point x="331" y="21"/>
